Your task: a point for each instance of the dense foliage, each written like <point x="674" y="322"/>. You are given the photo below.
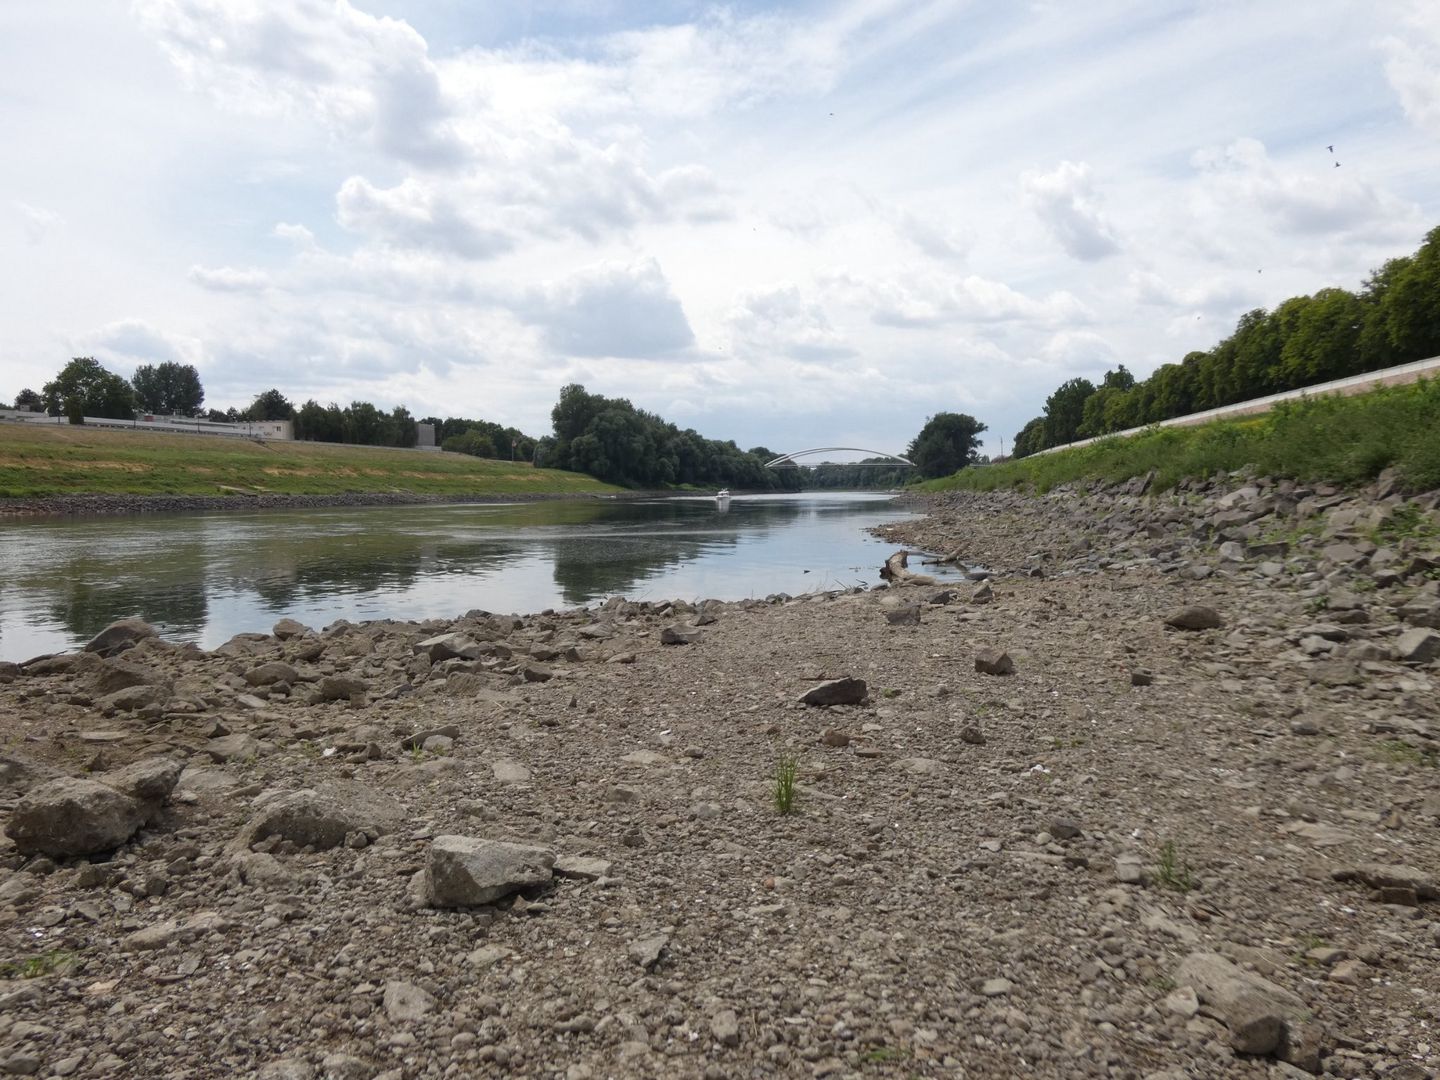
<point x="168" y="388"/>
<point x="947" y="443"/>
<point x="612" y="440"/>
<point x="29" y="401"/>
<point x="84" y="388"/>
<point x="1394" y="319"/>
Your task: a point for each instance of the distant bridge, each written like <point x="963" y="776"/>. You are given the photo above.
<point x="788" y="460"/>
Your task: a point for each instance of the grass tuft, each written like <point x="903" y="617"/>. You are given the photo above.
<point x="1173" y="872"/>
<point x="785" y="783"/>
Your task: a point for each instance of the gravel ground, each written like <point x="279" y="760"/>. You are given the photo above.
<point x="981" y="876"/>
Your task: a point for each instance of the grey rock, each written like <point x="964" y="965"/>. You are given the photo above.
<point x="271" y="672"/>
<point x="286" y="629"/>
<point x="679" y="635"/>
<point x="418" y="740"/>
<point x="113" y="675"/>
<point x="972" y="734"/>
<point x="908" y="615"/>
<point x="996" y="987"/>
<point x="1232" y="551"/>
<point x="345" y="1067"/>
<point x="581" y="867"/>
<point x="463" y="871"/>
<point x="510" y="772"/>
<point x="1063" y="828"/>
<point x="646" y="952"/>
<point x="994" y="662"/>
<point x="149" y="781"/>
<point x="69" y="817"/>
<point x="287" y="1069"/>
<point x="406" y="1003"/>
<point x="836" y="692"/>
<point x="341" y="687"/>
<point x="238" y="747"/>
<point x="1418" y="646"/>
<point x="1392" y="876"/>
<point x="449" y="647"/>
<point x="983" y="595"/>
<point x="1262" y="1018"/>
<point x="321" y="819"/>
<point x="119" y="636"/>
<point x="1195" y="617"/>
<point x="133" y="698"/>
<point x="725" y="1026"/>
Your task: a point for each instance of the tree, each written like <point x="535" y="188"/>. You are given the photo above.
<point x="271" y="405"/>
<point x="29" y="401"/>
<point x="169" y="388"/>
<point x="84" y="388"/>
<point x="1065" y="411"/>
<point x="946" y="444"/>
<point x="1030" y="439"/>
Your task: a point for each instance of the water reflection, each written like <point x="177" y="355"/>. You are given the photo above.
<point x="205" y="577"/>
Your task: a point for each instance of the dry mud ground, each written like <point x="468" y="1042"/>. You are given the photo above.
<point x="983" y="876"/>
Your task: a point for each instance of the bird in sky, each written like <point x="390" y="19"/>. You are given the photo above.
<point x="1337" y="164"/>
<point x="1331" y="148"/>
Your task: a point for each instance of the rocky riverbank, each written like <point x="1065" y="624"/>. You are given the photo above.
<point x="549" y="846"/>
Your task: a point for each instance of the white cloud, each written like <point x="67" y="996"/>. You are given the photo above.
<point x="1412" y="65"/>
<point x="135" y="341"/>
<point x="1321" y="200"/>
<point x="229" y="279"/>
<point x="362" y="75"/>
<point x="415" y="214"/>
<point x="612" y="310"/>
<point x="39" y="222"/>
<point x="920" y="301"/>
<point x="779" y="320"/>
<point x="1067" y="205"/>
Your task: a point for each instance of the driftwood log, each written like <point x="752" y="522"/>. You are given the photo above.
<point x="895" y="571"/>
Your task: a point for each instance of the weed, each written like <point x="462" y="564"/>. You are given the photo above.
<point x="785" y="783"/>
<point x="1407" y="521"/>
<point x="418" y="754"/>
<point x="890" y="693"/>
<point x="33" y="967"/>
<point x="1172" y="871"/>
<point x="1399" y="752"/>
<point x="882" y="1054"/>
<point x="1318" y="604"/>
<point x="1162" y="984"/>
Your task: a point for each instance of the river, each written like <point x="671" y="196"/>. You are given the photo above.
<point x="205" y="577"/>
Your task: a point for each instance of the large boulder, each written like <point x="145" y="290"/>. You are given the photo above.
<point x="321" y="819"/>
<point x="271" y="672"/>
<point x="464" y="871"/>
<point x="1195" y="617"/>
<point x="1263" y="1018"/>
<point x="119" y="636"/>
<point x="448" y="647"/>
<point x="113" y="675"/>
<point x="73" y="816"/>
<point x="77" y="816"/>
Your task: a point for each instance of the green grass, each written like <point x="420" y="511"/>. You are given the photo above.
<point x="785" y="783"/>
<point x="1399" y="752"/>
<point x="39" y="461"/>
<point x="1173" y="872"/>
<point x="33" y="967"/>
<point x="1336" y="439"/>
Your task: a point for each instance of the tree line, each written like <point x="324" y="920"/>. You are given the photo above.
<point x="612" y="440"/>
<point x="1393" y="319"/>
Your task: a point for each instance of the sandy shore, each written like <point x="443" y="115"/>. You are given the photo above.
<point x="1037" y="873"/>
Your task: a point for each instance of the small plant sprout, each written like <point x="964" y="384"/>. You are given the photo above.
<point x="1173" y="872"/>
<point x="785" y="783"/>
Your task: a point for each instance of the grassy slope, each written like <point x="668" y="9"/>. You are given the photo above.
<point x="40" y="461"/>
<point x="1345" y="440"/>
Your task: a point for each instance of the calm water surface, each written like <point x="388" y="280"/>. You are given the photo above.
<point x="206" y="577"/>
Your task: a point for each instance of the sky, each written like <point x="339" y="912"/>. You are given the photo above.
<point x="788" y="224"/>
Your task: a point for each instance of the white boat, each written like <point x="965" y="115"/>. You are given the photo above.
<point x="723" y="495"/>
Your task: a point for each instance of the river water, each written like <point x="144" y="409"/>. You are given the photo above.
<point x="206" y="577"/>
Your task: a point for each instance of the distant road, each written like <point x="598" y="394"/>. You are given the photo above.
<point x="1354" y="384"/>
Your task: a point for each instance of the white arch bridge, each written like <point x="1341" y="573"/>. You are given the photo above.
<point x="788" y="460"/>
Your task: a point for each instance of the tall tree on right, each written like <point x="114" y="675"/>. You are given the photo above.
<point x="946" y="444"/>
<point x="169" y="388"/>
